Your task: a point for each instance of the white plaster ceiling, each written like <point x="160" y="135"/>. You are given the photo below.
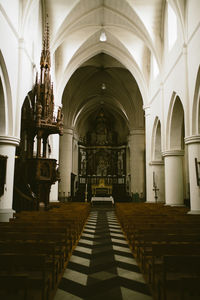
<point x="134" y="30"/>
<point x="132" y="22"/>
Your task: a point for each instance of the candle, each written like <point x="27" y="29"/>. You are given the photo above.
<point x="154" y="183"/>
<point x="86" y="188"/>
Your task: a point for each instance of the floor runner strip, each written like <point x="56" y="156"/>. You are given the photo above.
<point x="102" y="265"/>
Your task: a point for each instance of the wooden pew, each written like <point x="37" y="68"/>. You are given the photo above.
<point x="46" y="233"/>
<point x="54" y="262"/>
<point x="176" y="267"/>
<point x="155" y="259"/>
<point x="14" y="287"/>
<point x="39" y="278"/>
<point x="189" y="289"/>
<point x="150" y="226"/>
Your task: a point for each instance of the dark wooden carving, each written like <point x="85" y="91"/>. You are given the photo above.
<point x="3" y="166"/>
<point x="197" y="168"/>
<point x="40" y="119"/>
<point x="102" y="161"/>
<point x="103" y="133"/>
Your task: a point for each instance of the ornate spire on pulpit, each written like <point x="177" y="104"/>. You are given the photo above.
<point x="46" y="112"/>
<point x="40" y="118"/>
<point x="45" y="60"/>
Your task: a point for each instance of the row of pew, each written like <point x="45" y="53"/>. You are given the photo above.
<point x="165" y="241"/>
<point x="35" y="247"/>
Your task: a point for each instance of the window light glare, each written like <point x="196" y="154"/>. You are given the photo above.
<point x="172" y="27"/>
<point x="155" y="68"/>
<point x="103" y="37"/>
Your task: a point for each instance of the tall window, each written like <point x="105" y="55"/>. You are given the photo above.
<point x="155" y="67"/>
<point x="172" y="27"/>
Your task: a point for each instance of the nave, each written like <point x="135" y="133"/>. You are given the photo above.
<point x="75" y="251"/>
<point x="102" y="265"/>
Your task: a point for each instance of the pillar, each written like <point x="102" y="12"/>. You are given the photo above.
<point x="75" y="154"/>
<point x="193" y="143"/>
<point x="174" y="177"/>
<point x="137" y="164"/>
<point x="65" y="162"/>
<point x="149" y="173"/>
<point x="7" y="147"/>
<point x="54" y="144"/>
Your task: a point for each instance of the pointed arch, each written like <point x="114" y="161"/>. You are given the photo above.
<point x="115" y="53"/>
<point x="6" y="119"/>
<point x="2" y="109"/>
<point x="175" y="124"/>
<point x="156" y="141"/>
<point x="180" y="15"/>
<point x="27" y="9"/>
<point x="196" y="106"/>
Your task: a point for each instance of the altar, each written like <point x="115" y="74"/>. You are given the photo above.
<point x="102" y="199"/>
<point x="101" y="188"/>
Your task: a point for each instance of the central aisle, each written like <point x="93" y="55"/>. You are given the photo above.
<point x="102" y="265"/>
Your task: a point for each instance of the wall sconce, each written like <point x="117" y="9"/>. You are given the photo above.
<point x="197" y="167"/>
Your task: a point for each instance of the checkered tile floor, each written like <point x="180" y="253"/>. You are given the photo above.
<point x="102" y="265"/>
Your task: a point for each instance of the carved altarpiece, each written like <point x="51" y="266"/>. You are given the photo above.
<point x="102" y="161"/>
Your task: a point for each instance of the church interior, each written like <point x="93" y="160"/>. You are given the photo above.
<point x="99" y="149"/>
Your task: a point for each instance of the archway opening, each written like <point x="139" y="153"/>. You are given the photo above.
<point x="102" y="104"/>
<point x="199" y="117"/>
<point x="176" y="160"/>
<point x="177" y="131"/>
<point x="157" y="152"/>
<point x="2" y="109"/>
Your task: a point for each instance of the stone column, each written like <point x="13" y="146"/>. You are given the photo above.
<point x="174" y="177"/>
<point x="7" y="147"/>
<point x="65" y="162"/>
<point x="157" y="168"/>
<point x="137" y="164"/>
<point x="193" y="143"/>
<point x="54" y="153"/>
<point x="75" y="154"/>
<point x="149" y="173"/>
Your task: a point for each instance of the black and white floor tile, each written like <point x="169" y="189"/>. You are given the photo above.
<point x="102" y="265"/>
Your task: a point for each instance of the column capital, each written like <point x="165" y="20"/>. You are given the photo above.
<point x="9" y="140"/>
<point x="173" y="153"/>
<point x="156" y="163"/>
<point x="147" y="110"/>
<point x="193" y="139"/>
<point x="68" y="131"/>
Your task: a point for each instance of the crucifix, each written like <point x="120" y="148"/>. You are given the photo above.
<point x="155" y="189"/>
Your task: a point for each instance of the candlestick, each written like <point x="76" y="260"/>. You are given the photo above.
<point x="86" y="192"/>
<point x="154" y="182"/>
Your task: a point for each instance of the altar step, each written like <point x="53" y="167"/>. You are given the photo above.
<point x="102" y="265"/>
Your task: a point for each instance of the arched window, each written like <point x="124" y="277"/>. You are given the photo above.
<point x="172" y="27"/>
<point x="155" y="69"/>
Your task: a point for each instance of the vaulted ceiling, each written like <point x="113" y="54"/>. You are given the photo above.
<point x="134" y="30"/>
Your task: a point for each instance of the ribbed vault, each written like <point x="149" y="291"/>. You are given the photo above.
<point x="103" y="83"/>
